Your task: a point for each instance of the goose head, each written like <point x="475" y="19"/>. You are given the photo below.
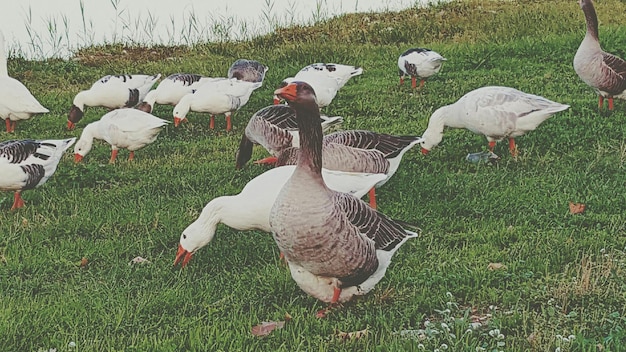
<point x="82" y="147"/>
<point x="75" y="114"/>
<point x="297" y="92"/>
<point x="190" y="241"/>
<point x="144" y="106"/>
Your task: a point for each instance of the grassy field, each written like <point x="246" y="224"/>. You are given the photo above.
<point x="563" y="280"/>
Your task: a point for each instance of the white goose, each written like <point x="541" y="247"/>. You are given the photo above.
<point x="172" y="89"/>
<point x="16" y="101"/>
<point x="26" y="164"/>
<point x="325" y="78"/>
<point x="495" y="112"/>
<point x="604" y="72"/>
<point x="359" y="151"/>
<point x="218" y="97"/>
<point x="247" y="70"/>
<point x="112" y="92"/>
<point x="419" y="63"/>
<point x="250" y="209"/>
<point x="335" y="244"/>
<point x="126" y="128"/>
<point x="275" y="128"/>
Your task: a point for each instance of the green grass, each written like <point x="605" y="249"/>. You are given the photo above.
<point x="564" y="273"/>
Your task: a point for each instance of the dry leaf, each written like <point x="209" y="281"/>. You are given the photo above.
<point x="496" y="266"/>
<point x="84" y="262"/>
<point x="355" y="335"/>
<point x="576" y="208"/>
<point x="139" y="260"/>
<point x="266" y="327"/>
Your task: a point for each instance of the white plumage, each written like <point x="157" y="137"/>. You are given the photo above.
<point x="124" y="128"/>
<point x="113" y="92"/>
<point x="172" y="89"/>
<point x="26" y="164"/>
<point x="16" y="101"/>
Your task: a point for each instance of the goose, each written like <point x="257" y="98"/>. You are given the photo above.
<point x="419" y="63"/>
<point x="112" y="92"/>
<point x="359" y="151"/>
<point x="127" y="128"/>
<point x="172" y="89"/>
<point x="16" y="101"/>
<point x="26" y="164"/>
<point x="336" y="245"/>
<point x="275" y="128"/>
<point x="219" y="97"/>
<point x="604" y="72"/>
<point x="325" y="78"/>
<point x="247" y="70"/>
<point x="495" y="112"/>
<point x="250" y="209"/>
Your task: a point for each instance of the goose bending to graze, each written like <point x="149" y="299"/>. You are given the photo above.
<point x="112" y="92"/>
<point x="335" y="244"/>
<point x="172" y="89"/>
<point x="325" y="78"/>
<point x="247" y="70"/>
<point x="604" y="72"/>
<point x="16" y="101"/>
<point x="419" y="63"/>
<point x="124" y="128"/>
<point x="495" y="112"/>
<point x="26" y="164"/>
<point x="274" y="127"/>
<point x="250" y="209"/>
<point x="218" y="97"/>
<point x="359" y="151"/>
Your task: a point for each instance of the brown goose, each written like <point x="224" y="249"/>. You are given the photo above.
<point x="275" y="128"/>
<point x="359" y="151"/>
<point x="336" y="246"/>
<point x="247" y="70"/>
<point x="604" y="72"/>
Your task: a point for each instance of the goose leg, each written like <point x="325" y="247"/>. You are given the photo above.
<point x="113" y="156"/>
<point x="228" y="124"/>
<point x="600" y="102"/>
<point x="18" y="202"/>
<point x="610" y="104"/>
<point x="401" y="79"/>
<point x="131" y="156"/>
<point x="422" y="81"/>
<point x="513" y="147"/>
<point x="372" y="196"/>
<point x="212" y="122"/>
<point x="333" y="302"/>
<point x="413" y="82"/>
<point x="7" y="122"/>
<point x="492" y="145"/>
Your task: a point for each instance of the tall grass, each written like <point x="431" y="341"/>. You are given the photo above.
<point x="501" y="266"/>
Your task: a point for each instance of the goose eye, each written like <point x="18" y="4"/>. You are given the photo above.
<point x="184" y="237"/>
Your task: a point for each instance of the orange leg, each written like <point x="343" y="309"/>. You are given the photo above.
<point x="131" y="156"/>
<point x="113" y="156"/>
<point x="513" y="147"/>
<point x="7" y="122"/>
<point x="413" y="82"/>
<point x="18" y="202"/>
<point x="492" y="145"/>
<point x="228" y="124"/>
<point x="600" y="102"/>
<point x="401" y="80"/>
<point x="212" y="122"/>
<point x="14" y="123"/>
<point x="610" y="104"/>
<point x="333" y="302"/>
<point x="372" y="197"/>
<point x="422" y="83"/>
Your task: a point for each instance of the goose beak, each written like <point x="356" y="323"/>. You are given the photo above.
<point x="425" y="151"/>
<point x="78" y="158"/>
<point x="178" y="121"/>
<point x="70" y="125"/>
<point x="182" y="255"/>
<point x="276" y="100"/>
<point x="288" y="92"/>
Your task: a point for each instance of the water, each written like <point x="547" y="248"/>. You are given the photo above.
<point x="38" y="29"/>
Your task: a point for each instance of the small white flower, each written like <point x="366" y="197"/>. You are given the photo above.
<point x="494" y="332"/>
<point x="571" y="337"/>
<point x="443" y="346"/>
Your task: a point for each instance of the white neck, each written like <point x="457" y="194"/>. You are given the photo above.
<point x="4" y="72"/>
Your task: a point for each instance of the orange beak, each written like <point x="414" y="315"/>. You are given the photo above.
<point x="425" y="151"/>
<point x="178" y="121"/>
<point x="272" y="160"/>
<point x="70" y="125"/>
<point x="78" y="158"/>
<point x="288" y="92"/>
<point x="183" y="255"/>
<point x="276" y="100"/>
